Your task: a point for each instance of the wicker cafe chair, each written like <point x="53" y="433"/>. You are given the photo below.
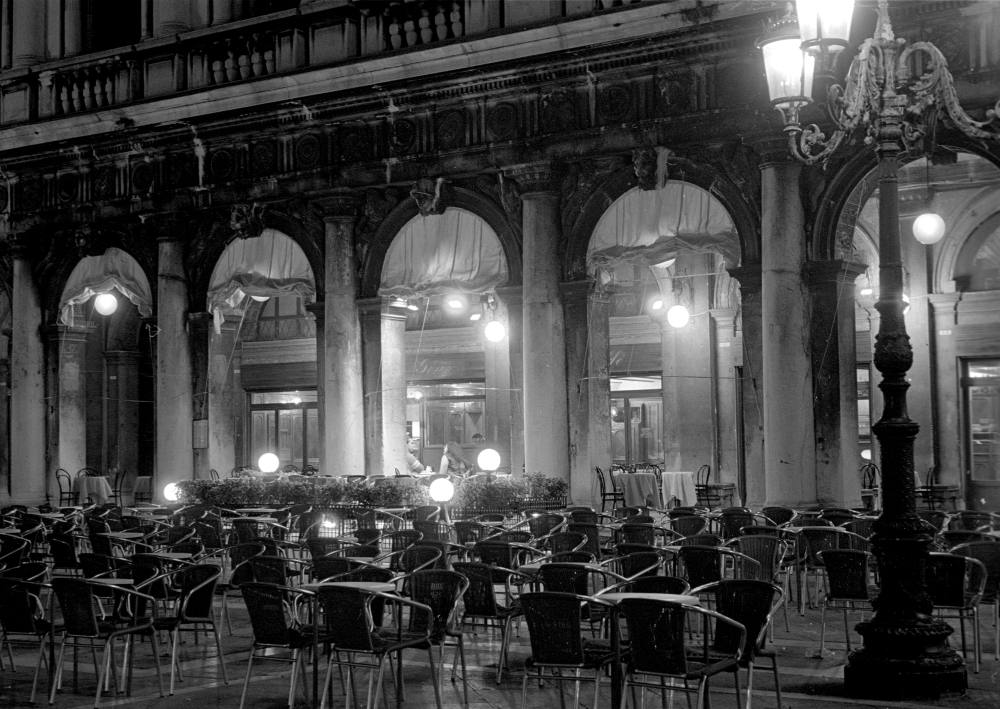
<point x="659" y="647"/>
<point x="751" y="603"/>
<point x="650" y="584"/>
<point x="955" y="584"/>
<point x="608" y="490"/>
<point x="352" y="629"/>
<point x="989" y="554"/>
<point x="769" y="552"/>
<point x="689" y="525"/>
<point x="706" y="564"/>
<point x="274" y="627"/>
<point x="193" y="612"/>
<point x="22" y="619"/>
<point x="480" y="600"/>
<point x="848" y="587"/>
<point x="712" y="494"/>
<point x="442" y="591"/>
<point x="557" y="643"/>
<point x="65" y="483"/>
<point x="81" y="624"/>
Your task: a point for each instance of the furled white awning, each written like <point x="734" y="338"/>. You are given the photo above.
<point x="114" y="270"/>
<point x="649" y="227"/>
<point x="267" y="265"/>
<point x="456" y="250"/>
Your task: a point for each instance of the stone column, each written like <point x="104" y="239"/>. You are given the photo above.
<point x="223" y="397"/>
<point x="123" y="412"/>
<point x="344" y="431"/>
<point x="510" y="302"/>
<point x="672" y="404"/>
<point x="393" y="388"/>
<point x="370" y="314"/>
<point x="5" y="426"/>
<point x="751" y="386"/>
<point x="318" y="311"/>
<point x="199" y="325"/>
<point x="789" y="446"/>
<point x="500" y="400"/>
<point x="29" y="31"/>
<point x="947" y="431"/>
<point x="589" y="393"/>
<point x="834" y="361"/>
<point x="28" y="477"/>
<point x="174" y="460"/>
<point x="693" y="369"/>
<point x="222" y="11"/>
<point x="73" y="399"/>
<point x="546" y="440"/>
<point x="72" y="28"/>
<point x="171" y="18"/>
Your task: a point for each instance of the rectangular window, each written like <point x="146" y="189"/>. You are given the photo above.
<point x="864" y="403"/>
<point x="285" y="423"/>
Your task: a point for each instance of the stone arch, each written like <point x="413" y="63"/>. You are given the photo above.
<point x="474" y="202"/>
<point x="747" y="225"/>
<point x="305" y="228"/>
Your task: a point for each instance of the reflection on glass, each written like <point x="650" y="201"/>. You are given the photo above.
<point x="982" y="396"/>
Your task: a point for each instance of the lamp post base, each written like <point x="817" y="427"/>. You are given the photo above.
<point x="905" y="661"/>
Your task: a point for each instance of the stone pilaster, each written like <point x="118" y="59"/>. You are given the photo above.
<point x="724" y="403"/>
<point x="831" y="287"/>
<point x="751" y="385"/>
<point x="73" y="399"/>
<point x="947" y="431"/>
<point x="224" y="397"/>
<point x="587" y="356"/>
<point x="546" y="445"/>
<point x="510" y="301"/>
<point x="122" y="429"/>
<point x="29" y="32"/>
<point x="393" y="387"/>
<point x="28" y="477"/>
<point x="318" y="311"/>
<point x="370" y="316"/>
<point x="199" y="326"/>
<point x="501" y="404"/>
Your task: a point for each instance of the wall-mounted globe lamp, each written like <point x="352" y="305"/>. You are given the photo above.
<point x="678" y="316"/>
<point x="171" y="492"/>
<point x="260" y="298"/>
<point x="268" y="463"/>
<point x="106" y="304"/>
<point x="928" y="228"/>
<point x="494" y="331"/>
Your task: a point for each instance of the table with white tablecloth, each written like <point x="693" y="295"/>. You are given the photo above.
<point x="640" y="489"/>
<point x="96" y="487"/>
<point x="679" y="485"/>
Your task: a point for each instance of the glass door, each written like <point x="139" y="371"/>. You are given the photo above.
<point x="636" y="420"/>
<point x="982" y="436"/>
<point x="285" y="423"/>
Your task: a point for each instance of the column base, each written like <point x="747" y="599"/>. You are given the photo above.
<point x="905" y="661"/>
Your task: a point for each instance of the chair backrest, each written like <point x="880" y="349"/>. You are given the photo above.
<point x="732" y="520"/>
<point x="76" y="601"/>
<point x="704" y="540"/>
<point x="565" y="541"/>
<point x="847" y="573"/>
<point x="266" y="603"/>
<point x="778" y="514"/>
<point x="480" y="598"/>
<point x="689" y="525"/>
<point x="27" y="571"/>
<point x="542" y="524"/>
<point x="967" y="519"/>
<point x="433" y="530"/>
<point x="321" y="546"/>
<point x="937" y="518"/>
<point x="636" y="534"/>
<point x="750" y="603"/>
<point x="468" y="531"/>
<point x="441" y="590"/>
<point x="869" y="476"/>
<point x="953" y="580"/>
<point x="702" y="475"/>
<point x="564" y="577"/>
<point x="591" y="532"/>
<point x="497" y="553"/>
<point x="658" y="584"/>
<point x="767" y="550"/>
<point x="553" y="621"/>
<point x="425" y="513"/>
<point x="860" y="525"/>
<point x="989" y="554"/>
<point x="953" y="537"/>
<point x="837" y="515"/>
<point x="13" y="549"/>
<point x="349" y="619"/>
<point x="197" y="584"/>
<point x="601" y="482"/>
<point x="638" y="562"/>
<point x="269" y="569"/>
<point x="326" y="567"/>
<point x="21" y="609"/>
<point x="418" y="557"/>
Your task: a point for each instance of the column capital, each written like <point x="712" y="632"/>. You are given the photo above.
<point x="339" y="206"/>
<point x="511" y="296"/>
<point x="386" y="307"/>
<point x="200" y="319"/>
<point x="835" y="271"/>
<point x="773" y="150"/>
<point x="536" y="177"/>
<point x="317" y="309"/>
<point x="723" y="317"/>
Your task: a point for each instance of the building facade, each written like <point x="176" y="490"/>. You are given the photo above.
<point x="316" y="216"/>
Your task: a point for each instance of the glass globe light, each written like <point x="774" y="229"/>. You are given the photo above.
<point x="488" y="460"/>
<point x="442" y="490"/>
<point x="268" y="463"/>
<point x="171" y="492"/>
<point x="106" y="303"/>
<point x="261" y="298"/>
<point x="928" y="228"/>
<point x="678" y="316"/>
<point x="494" y="331"/>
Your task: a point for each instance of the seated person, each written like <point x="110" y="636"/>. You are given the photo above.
<point x="413" y="464"/>
<point x="453" y="462"/>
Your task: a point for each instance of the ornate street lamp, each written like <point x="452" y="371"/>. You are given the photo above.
<point x="891" y="108"/>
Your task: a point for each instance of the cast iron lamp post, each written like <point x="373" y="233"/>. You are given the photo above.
<point x="891" y="107"/>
